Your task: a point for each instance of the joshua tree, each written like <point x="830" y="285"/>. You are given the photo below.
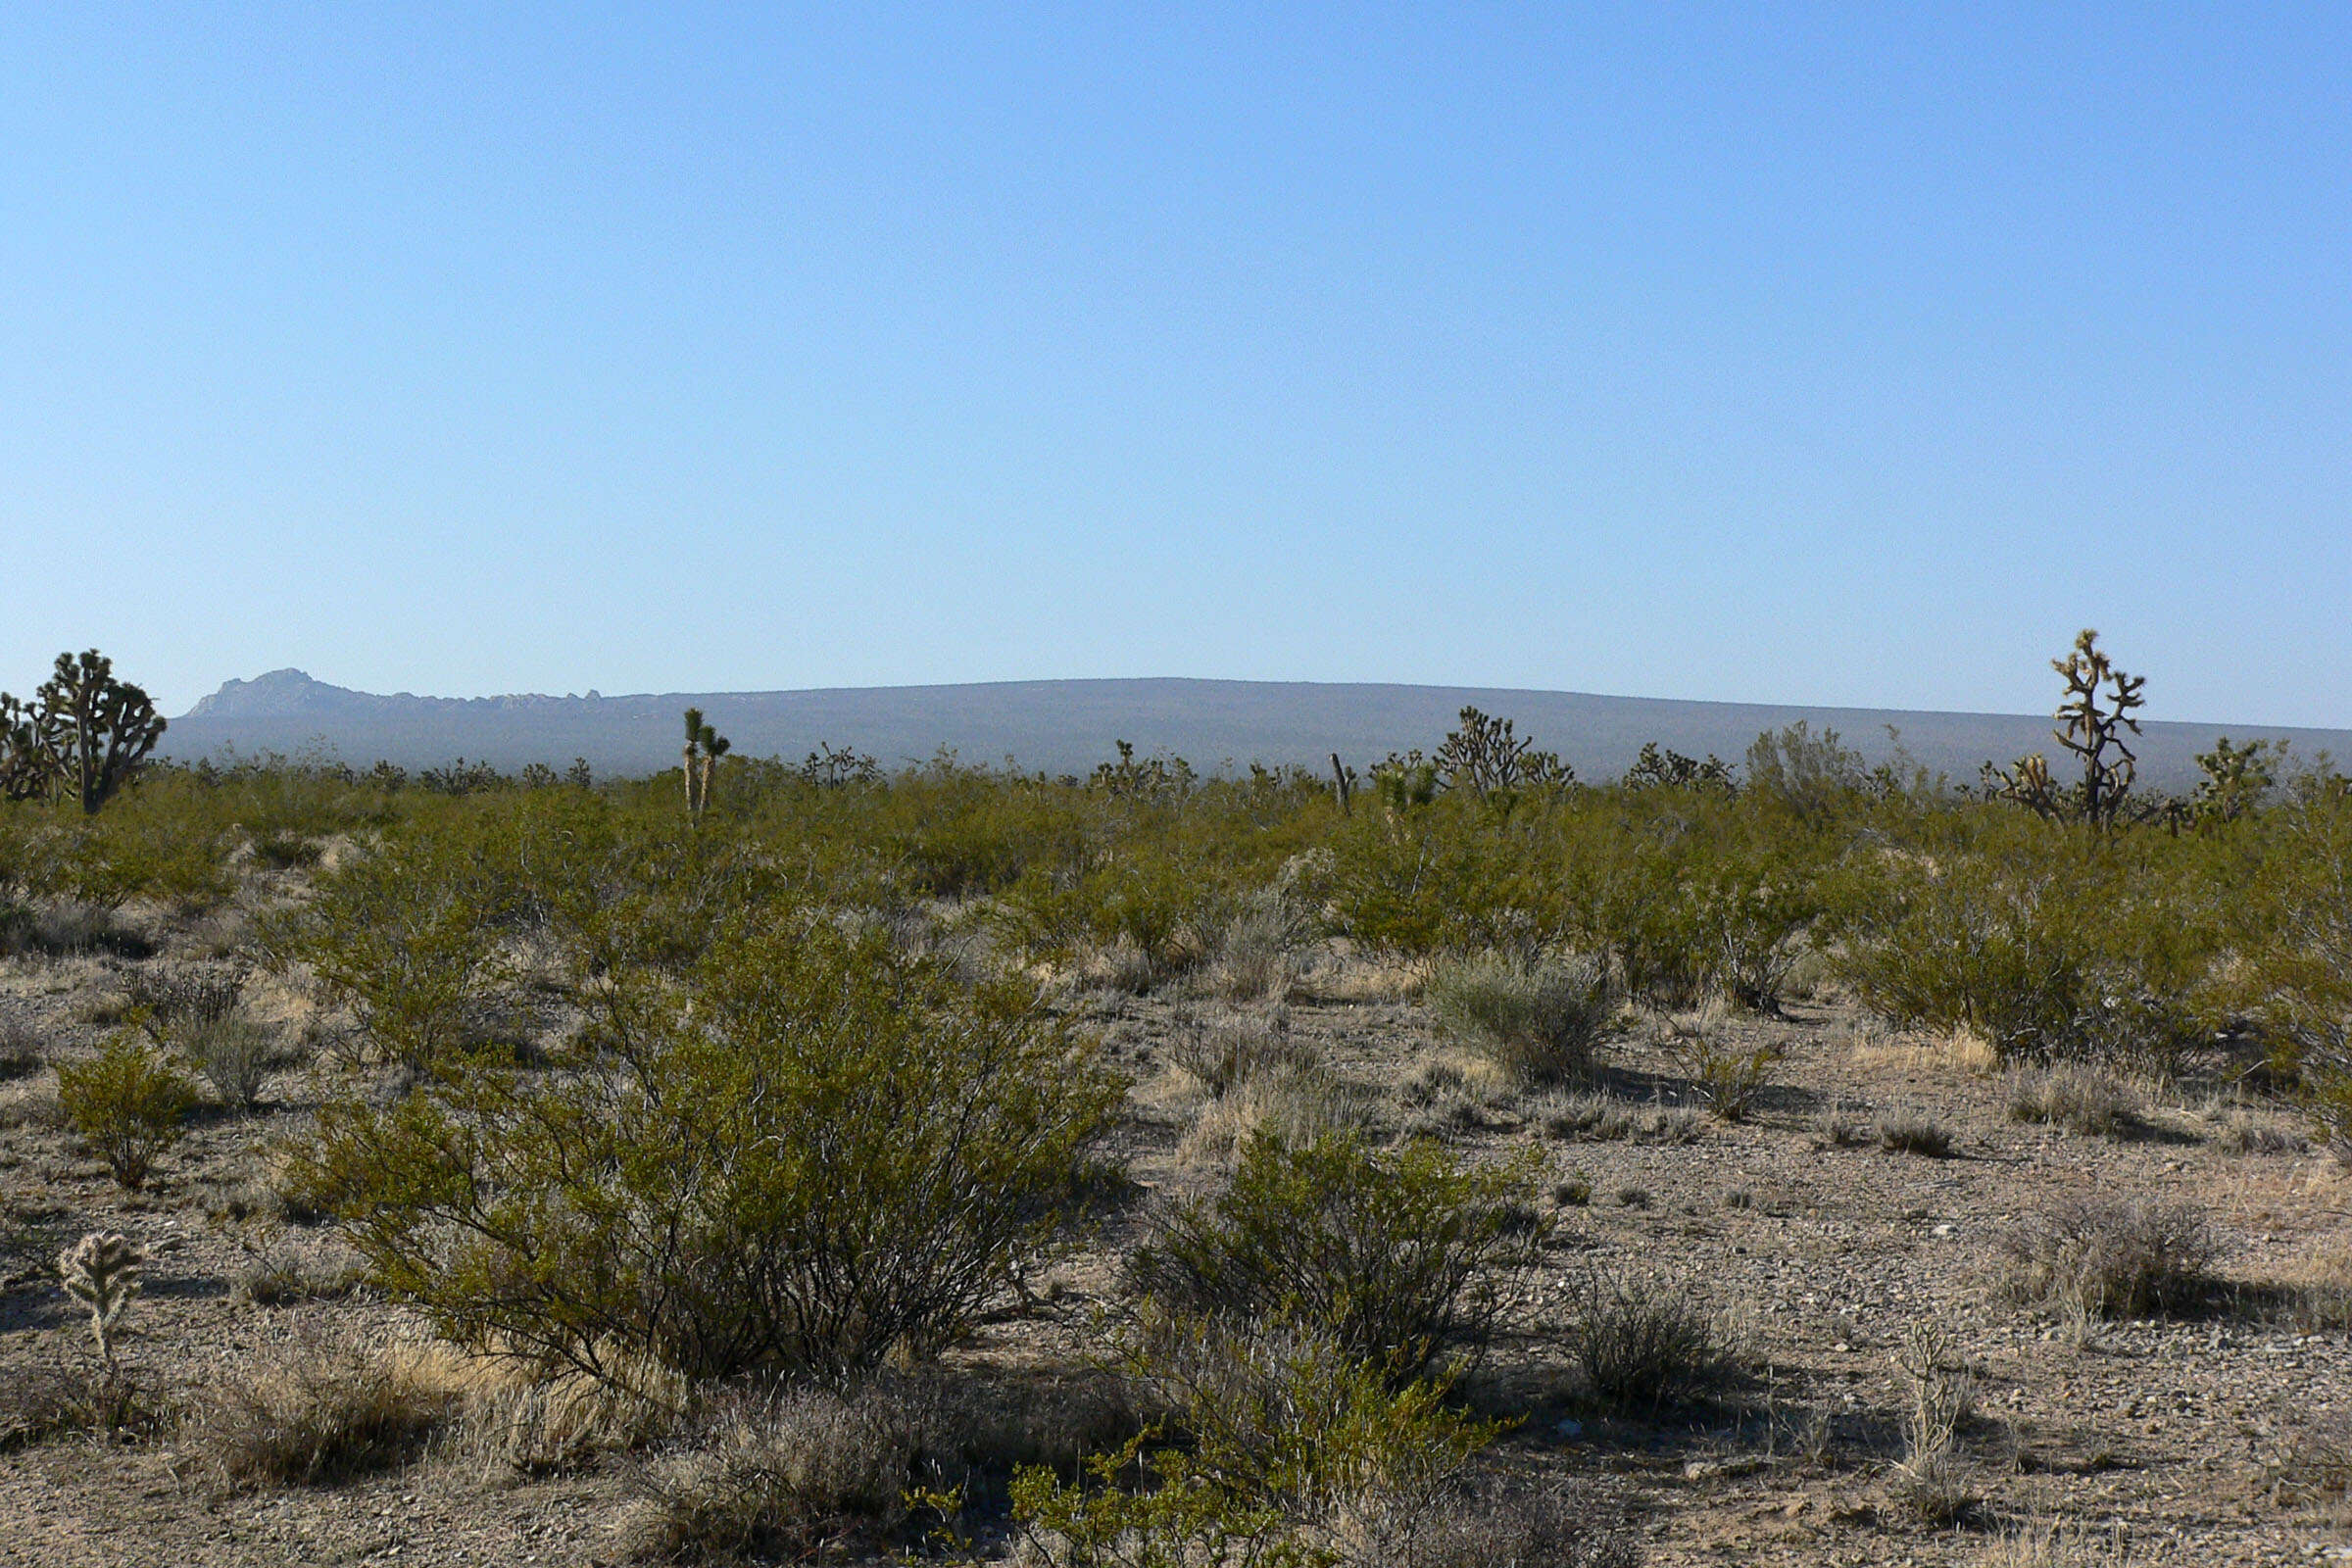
<point x="1483" y="755"/>
<point x="85" y="730"/>
<point x="704" y="746"/>
<point x="29" y="751"/>
<point x="2090" y="729"/>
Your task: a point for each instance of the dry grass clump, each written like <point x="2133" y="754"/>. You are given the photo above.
<point x="797" y="1474"/>
<point x="1256" y="955"/>
<point x="1452" y="1094"/>
<point x="1912" y="1132"/>
<point x="2110" y="1257"/>
<point x="1217" y="1057"/>
<point x="1122" y="967"/>
<point x="276" y="1273"/>
<point x="1644" y="1344"/>
<point x="1485" y="1522"/>
<point x="235" y="1055"/>
<point x="329" y="1412"/>
<point x="537" y="1424"/>
<point x="65" y="927"/>
<point x="1834" y="1127"/>
<point x="1277" y="1088"/>
<point x="2074" y="1096"/>
<point x="2244" y="1133"/>
<point x="1537" y="1022"/>
<point x="1603" y="1119"/>
<point x="2043" y="1545"/>
<point x="20" y="1053"/>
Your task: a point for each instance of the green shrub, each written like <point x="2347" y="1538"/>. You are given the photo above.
<point x="810" y="1150"/>
<point x="1398" y="1256"/>
<point x="127" y="1104"/>
<point x="1537" y="1022"/>
<point x="2050" y="945"/>
<point x="1296" y="1455"/>
<point x="405" y="937"/>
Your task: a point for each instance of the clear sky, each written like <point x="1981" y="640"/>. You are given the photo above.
<point x="1848" y="355"/>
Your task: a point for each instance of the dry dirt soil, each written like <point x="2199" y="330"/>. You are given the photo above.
<point x="2219" y="1434"/>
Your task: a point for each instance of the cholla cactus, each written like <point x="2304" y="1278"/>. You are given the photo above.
<point x="101" y="1272"/>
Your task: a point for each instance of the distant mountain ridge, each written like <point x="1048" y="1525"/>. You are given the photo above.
<point x="1069" y="726"/>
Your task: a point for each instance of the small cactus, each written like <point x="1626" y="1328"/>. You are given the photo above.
<point x="101" y="1272"/>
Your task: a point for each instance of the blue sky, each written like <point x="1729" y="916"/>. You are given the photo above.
<point x="1849" y="355"/>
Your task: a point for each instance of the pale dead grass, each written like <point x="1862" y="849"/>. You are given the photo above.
<point x="1873" y="1049"/>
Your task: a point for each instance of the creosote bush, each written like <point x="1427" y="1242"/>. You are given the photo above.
<point x="810" y="1151"/>
<point x="1538" y="1021"/>
<point x="128" y="1105"/>
<point x="1295" y="1455"/>
<point x="1399" y="1257"/>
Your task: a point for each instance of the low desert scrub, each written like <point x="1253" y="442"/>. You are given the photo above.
<point x="1646" y="1343"/>
<point x="793" y="1473"/>
<point x="1932" y="1482"/>
<point x="20" y="1053"/>
<point x="1257" y="954"/>
<point x="1218" y="1057"/>
<point x="958" y="1126"/>
<point x="1452" y="1094"/>
<point x="1400" y="1257"/>
<point x="2110" y="1257"/>
<point x="1537" y="1022"/>
<point x="166" y="1000"/>
<point x="234" y="1053"/>
<point x="1292" y="1106"/>
<point x="2074" y="1096"/>
<point x="128" y="1105"/>
<point x="1913" y="1132"/>
<point x="1295" y="1453"/>
<point x="1726" y="1076"/>
<point x="329" y="1411"/>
